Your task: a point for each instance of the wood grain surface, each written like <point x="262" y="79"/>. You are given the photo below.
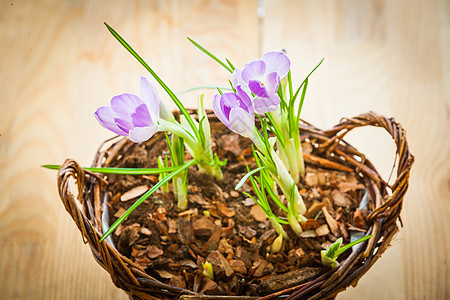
<point x="58" y="63"/>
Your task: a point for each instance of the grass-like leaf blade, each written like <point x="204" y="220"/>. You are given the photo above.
<point x="349" y="245"/>
<point x="246" y="176"/>
<point x="206" y="87"/>
<point x="180" y="106"/>
<point x="210" y="54"/>
<point x="145" y="196"/>
<point x="127" y="171"/>
<point x="298" y="90"/>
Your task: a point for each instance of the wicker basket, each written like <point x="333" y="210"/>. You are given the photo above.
<point x="86" y="211"/>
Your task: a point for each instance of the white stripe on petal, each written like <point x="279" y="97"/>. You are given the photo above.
<point x="150" y="96"/>
<point x="142" y="134"/>
<point x="242" y="122"/>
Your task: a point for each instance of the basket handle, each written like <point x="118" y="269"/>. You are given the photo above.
<point x="404" y="160"/>
<point x="71" y="169"/>
<point x="105" y="255"/>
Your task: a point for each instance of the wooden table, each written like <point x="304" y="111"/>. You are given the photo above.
<point x="59" y="63"/>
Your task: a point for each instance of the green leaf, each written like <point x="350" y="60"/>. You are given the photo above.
<point x="266" y="162"/>
<point x="180" y="105"/>
<point x="291" y="91"/>
<point x="177" y="150"/>
<point x="230" y="64"/>
<point x="302" y="98"/>
<point x="218" y="162"/>
<point x="127" y="171"/>
<point x="232" y="87"/>
<point x="169" y="145"/>
<point x="291" y="206"/>
<point x="244" y="179"/>
<point x="202" y="131"/>
<point x="267" y="180"/>
<point x="266" y="138"/>
<point x="145" y="196"/>
<point x="349" y="245"/>
<point x="332" y="251"/>
<point x="274" y="128"/>
<point x="205" y="87"/>
<point x="326" y="261"/>
<point x="298" y="90"/>
<point x="283" y="104"/>
<point x="210" y="55"/>
<point x="51" y="167"/>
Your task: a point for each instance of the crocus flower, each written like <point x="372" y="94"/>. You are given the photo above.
<point x="262" y="77"/>
<point x="235" y="111"/>
<point x="132" y="116"/>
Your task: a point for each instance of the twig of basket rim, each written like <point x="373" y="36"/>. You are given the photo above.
<point x="365" y="169"/>
<point x="323" y="162"/>
<point x="297" y="287"/>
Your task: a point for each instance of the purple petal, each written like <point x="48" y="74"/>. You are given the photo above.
<point x="142" y="134"/>
<point x="150" y="96"/>
<point x="141" y="117"/>
<point x="254" y="70"/>
<point x="124" y="105"/>
<point x="264" y="105"/>
<point x="105" y="116"/>
<point x="242" y="122"/>
<point x="218" y="110"/>
<point x="277" y="62"/>
<point x="236" y="78"/>
<point x="227" y="102"/>
<point x="272" y="81"/>
<point x="246" y="102"/>
<point x="258" y="88"/>
<point x="125" y="126"/>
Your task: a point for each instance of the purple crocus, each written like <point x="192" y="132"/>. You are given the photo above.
<point x="235" y="111"/>
<point x="132" y="116"/>
<point x="262" y="77"/>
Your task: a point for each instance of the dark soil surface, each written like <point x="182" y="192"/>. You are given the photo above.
<point x="234" y="234"/>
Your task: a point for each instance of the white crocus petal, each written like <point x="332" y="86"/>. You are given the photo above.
<point x="142" y="134"/>
<point x="165" y="113"/>
<point x="150" y="96"/>
<point x="265" y="105"/>
<point x="242" y="122"/>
